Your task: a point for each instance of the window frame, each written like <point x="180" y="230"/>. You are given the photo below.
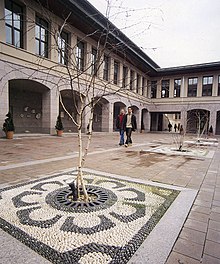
<point x="131" y="84"/>
<point x="177" y="87"/>
<point x="43" y="25"/>
<point x="116" y="72"/>
<point x="125" y="75"/>
<point x="106" y="67"/>
<point x="192" y="87"/>
<point x="64" y="38"/>
<point x="207" y="87"/>
<point x="80" y="55"/>
<point x="94" y="54"/>
<point x="153" y="89"/>
<point x="12" y="26"/>
<point x="165" y="88"/>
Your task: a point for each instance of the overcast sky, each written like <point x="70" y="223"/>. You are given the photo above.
<point x="171" y="32"/>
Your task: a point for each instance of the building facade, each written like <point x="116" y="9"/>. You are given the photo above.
<point x="58" y="47"/>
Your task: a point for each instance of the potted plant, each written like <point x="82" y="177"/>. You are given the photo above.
<point x="8" y="126"/>
<point x="59" y="126"/>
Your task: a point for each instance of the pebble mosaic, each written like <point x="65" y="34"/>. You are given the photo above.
<point x="110" y="233"/>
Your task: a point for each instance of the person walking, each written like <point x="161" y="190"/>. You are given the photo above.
<point x="129" y="124"/>
<point x="169" y="126"/>
<point x="175" y="127"/>
<point x="120" y="126"/>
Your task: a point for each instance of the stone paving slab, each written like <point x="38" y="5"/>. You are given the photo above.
<point x="202" y="175"/>
<point x="30" y="224"/>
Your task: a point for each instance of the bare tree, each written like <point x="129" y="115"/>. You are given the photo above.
<point x="81" y="78"/>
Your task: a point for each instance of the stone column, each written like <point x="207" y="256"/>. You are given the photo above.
<point x="2" y="22"/>
<point x="107" y="125"/>
<point x="88" y="53"/>
<point x="140" y="81"/>
<point x="183" y="119"/>
<point x="53" y="42"/>
<point x="73" y="43"/>
<point x="4" y="102"/>
<point x="120" y="74"/>
<point x="111" y="69"/>
<point x="212" y="120"/>
<point x="171" y="88"/>
<point x="158" y="88"/>
<point x="215" y="85"/>
<point x="30" y="30"/>
<point x="199" y="87"/>
<point x="184" y="87"/>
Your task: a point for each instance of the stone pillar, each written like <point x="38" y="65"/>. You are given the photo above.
<point x="199" y="87"/>
<point x="148" y="121"/>
<point x="171" y="88"/>
<point x="53" y="42"/>
<point x="2" y="22"/>
<point x="73" y="43"/>
<point x="88" y="53"/>
<point x="30" y="30"/>
<point x="120" y="74"/>
<point x="183" y="119"/>
<point x="107" y="118"/>
<point x="134" y="82"/>
<point x="184" y="87"/>
<point x="158" y="88"/>
<point x="140" y="81"/>
<point x="215" y="86"/>
<point x="4" y="103"/>
<point x="212" y="120"/>
<point x="111" y="69"/>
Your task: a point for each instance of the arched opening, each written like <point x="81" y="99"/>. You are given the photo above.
<point x="217" y="131"/>
<point x="197" y="121"/>
<point x="71" y="102"/>
<point x="101" y="115"/>
<point x="145" y="120"/>
<point x="117" y="108"/>
<point x="29" y="102"/>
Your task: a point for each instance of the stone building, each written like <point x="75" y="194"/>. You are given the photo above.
<point x="39" y="38"/>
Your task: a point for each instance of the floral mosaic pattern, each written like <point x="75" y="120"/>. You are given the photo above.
<point x="110" y="234"/>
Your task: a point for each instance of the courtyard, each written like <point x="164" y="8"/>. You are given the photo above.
<point x="133" y="228"/>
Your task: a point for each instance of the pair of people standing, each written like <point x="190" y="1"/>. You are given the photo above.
<point x="126" y="123"/>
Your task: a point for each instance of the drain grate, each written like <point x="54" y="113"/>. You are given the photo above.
<point x="100" y="198"/>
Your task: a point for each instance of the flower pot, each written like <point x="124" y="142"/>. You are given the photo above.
<point x="59" y="133"/>
<point x="9" y="134"/>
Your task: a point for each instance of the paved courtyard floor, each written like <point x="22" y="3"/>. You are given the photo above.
<point x="188" y="232"/>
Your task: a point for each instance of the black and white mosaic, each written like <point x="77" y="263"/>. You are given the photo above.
<point x="108" y="233"/>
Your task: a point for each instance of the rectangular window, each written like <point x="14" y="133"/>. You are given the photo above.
<point x="116" y="72"/>
<point x="138" y="83"/>
<point x="219" y="85"/>
<point x="80" y="55"/>
<point x="207" y="86"/>
<point x="177" y="87"/>
<point x="165" y="86"/>
<point x="94" y="62"/>
<point x="153" y="86"/>
<point x="41" y="37"/>
<point x="14" y="24"/>
<point x="63" y="48"/>
<point x="131" y="79"/>
<point x="106" y="68"/>
<point x="125" y="74"/>
<point x="192" y="87"/>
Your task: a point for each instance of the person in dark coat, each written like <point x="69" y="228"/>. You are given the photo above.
<point x="169" y="126"/>
<point x="120" y="126"/>
<point x="129" y="124"/>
